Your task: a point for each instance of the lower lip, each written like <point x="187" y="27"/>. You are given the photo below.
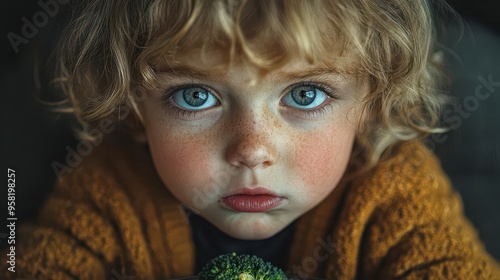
<point x="252" y="203"/>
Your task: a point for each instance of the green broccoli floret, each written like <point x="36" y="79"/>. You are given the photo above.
<point x="240" y="267"/>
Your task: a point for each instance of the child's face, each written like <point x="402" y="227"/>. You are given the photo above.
<point x="213" y="135"/>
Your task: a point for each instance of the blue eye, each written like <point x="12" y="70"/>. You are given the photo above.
<point x="305" y="97"/>
<point x="194" y="99"/>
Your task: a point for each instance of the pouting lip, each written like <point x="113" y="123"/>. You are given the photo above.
<point x="251" y="203"/>
<point x="252" y="191"/>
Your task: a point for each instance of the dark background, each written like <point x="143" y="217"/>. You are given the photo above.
<point x="32" y="137"/>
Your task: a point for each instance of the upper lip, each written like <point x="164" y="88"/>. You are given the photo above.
<point x="252" y="191"/>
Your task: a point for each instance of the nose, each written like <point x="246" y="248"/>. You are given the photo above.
<point x="252" y="144"/>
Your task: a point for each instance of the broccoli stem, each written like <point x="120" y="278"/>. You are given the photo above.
<point x="246" y="276"/>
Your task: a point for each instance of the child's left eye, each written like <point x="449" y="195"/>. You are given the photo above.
<point x="305" y="97"/>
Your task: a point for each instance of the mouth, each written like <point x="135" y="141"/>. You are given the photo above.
<point x="252" y="200"/>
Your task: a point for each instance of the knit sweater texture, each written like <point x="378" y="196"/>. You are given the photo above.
<point x="112" y="218"/>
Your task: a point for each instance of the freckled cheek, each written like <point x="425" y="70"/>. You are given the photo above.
<point x="183" y="164"/>
<point x="320" y="160"/>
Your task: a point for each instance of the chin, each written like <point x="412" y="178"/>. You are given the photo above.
<point x="251" y="230"/>
<point x="255" y="235"/>
<point x="250" y="235"/>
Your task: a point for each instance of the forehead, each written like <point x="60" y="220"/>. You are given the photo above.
<point x="213" y="65"/>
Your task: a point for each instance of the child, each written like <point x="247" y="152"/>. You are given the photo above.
<point x="291" y="130"/>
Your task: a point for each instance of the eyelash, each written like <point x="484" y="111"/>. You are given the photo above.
<point x="178" y="112"/>
<point x="175" y="110"/>
<point x="319" y="111"/>
<point x="305" y="113"/>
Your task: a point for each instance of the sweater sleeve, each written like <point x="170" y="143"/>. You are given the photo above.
<point x="401" y="221"/>
<point x="419" y="231"/>
<point x="434" y="241"/>
<point x="70" y="239"/>
<point x="109" y="218"/>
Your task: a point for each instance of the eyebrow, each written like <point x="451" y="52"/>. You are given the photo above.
<point x="188" y="72"/>
<point x="320" y="71"/>
<point x="184" y="71"/>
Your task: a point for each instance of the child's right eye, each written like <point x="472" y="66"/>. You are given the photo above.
<point x="193" y="98"/>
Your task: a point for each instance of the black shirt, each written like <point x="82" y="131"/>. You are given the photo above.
<point x="210" y="242"/>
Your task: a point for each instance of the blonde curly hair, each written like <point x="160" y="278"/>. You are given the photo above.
<point x="113" y="47"/>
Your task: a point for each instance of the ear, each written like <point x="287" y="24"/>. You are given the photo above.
<point x="135" y="121"/>
<point x="136" y="129"/>
<point x="140" y="136"/>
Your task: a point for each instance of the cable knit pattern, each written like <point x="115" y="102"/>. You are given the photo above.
<point x="111" y="218"/>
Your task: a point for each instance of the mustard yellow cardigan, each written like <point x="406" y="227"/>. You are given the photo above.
<point x="111" y="218"/>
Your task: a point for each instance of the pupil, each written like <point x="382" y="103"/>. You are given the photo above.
<point x="199" y="95"/>
<point x="195" y="97"/>
<point x="304" y="95"/>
